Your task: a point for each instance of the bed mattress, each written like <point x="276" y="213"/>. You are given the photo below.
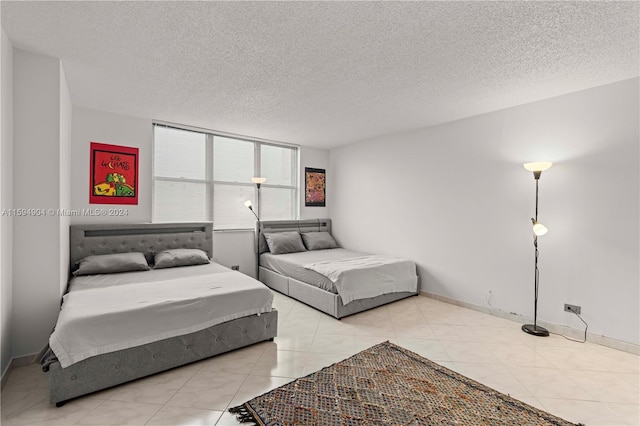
<point x="106" y="313"/>
<point x="292" y="265"/>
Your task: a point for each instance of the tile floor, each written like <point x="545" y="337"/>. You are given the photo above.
<point x="584" y="383"/>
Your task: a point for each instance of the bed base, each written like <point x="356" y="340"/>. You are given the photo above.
<point x="104" y="371"/>
<point x="322" y="300"/>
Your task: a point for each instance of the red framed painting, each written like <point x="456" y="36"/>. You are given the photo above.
<point x="113" y="174"/>
<point x="314" y="183"/>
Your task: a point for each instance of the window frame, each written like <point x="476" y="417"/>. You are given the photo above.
<point x="210" y="181"/>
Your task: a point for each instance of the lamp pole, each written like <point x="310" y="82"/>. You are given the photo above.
<point x="538" y="230"/>
<point x="258" y="181"/>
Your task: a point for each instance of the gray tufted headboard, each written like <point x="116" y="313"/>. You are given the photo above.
<point x="86" y="240"/>
<point x="305" y="225"/>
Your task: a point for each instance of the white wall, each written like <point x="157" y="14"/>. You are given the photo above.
<point x="6" y="200"/>
<point x="456" y="199"/>
<point x="99" y="126"/>
<point x="37" y="179"/>
<point x="65" y="178"/>
<point x="235" y="248"/>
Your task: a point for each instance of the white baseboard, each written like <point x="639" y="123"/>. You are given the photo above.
<point x="6" y="373"/>
<point x="554" y="328"/>
<point x="20" y="361"/>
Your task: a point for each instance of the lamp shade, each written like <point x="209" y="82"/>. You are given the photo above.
<point x="248" y="204"/>
<point x="258" y="180"/>
<point x="539" y="229"/>
<point x="539" y="166"/>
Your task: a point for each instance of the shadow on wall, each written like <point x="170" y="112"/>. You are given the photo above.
<point x="429" y="282"/>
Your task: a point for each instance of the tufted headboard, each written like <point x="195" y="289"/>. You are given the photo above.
<point x="86" y="240"/>
<point x="306" y="225"/>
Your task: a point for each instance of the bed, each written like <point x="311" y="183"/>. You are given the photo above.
<point x="312" y="276"/>
<point x="169" y="317"/>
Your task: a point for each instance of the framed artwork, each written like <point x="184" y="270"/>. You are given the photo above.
<point x="314" y="187"/>
<point x="113" y="174"/>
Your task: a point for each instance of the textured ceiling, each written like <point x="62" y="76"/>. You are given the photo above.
<point x="324" y="74"/>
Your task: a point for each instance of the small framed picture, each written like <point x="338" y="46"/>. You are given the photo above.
<point x="314" y="184"/>
<point x="113" y="174"/>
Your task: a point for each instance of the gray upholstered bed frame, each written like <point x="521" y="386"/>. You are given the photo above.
<point x="86" y="240"/>
<point x="322" y="300"/>
<point x="103" y="371"/>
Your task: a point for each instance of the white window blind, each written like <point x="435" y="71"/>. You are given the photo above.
<point x="200" y="176"/>
<point x="233" y="160"/>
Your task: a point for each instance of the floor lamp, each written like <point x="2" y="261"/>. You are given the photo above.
<point x="248" y="204"/>
<point x="538" y="230"/>
<point x="258" y="181"/>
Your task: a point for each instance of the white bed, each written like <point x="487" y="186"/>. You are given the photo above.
<point x="118" y="327"/>
<point x="110" y="312"/>
<point x="336" y="281"/>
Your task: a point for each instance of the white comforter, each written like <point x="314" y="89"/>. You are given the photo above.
<point x="368" y="276"/>
<point x="105" y="319"/>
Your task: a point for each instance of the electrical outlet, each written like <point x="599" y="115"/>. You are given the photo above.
<point x="572" y="308"/>
<point x="235" y="267"/>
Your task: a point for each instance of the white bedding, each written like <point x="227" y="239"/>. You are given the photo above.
<point x="292" y="265"/>
<point x="368" y="276"/>
<point x="105" y="318"/>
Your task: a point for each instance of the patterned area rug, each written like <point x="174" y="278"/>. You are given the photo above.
<point x="388" y="385"/>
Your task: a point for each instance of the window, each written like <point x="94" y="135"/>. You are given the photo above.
<point x="201" y="176"/>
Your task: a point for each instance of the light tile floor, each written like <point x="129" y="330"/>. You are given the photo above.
<point x="584" y="383"/>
